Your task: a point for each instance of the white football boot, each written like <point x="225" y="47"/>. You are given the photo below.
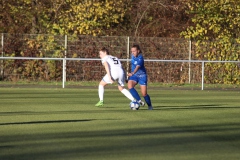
<point x="142" y="104"/>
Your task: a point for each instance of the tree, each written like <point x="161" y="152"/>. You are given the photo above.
<point x="14" y="16"/>
<point x="215" y="28"/>
<point x="90" y="17"/>
<point x="165" y="18"/>
<point x="159" y="18"/>
<point x="26" y="16"/>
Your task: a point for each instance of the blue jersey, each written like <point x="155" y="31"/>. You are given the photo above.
<point x="138" y="61"/>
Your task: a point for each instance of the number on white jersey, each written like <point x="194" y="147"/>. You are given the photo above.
<point x="115" y="59"/>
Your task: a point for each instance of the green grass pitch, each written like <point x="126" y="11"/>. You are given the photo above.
<point x="54" y="123"/>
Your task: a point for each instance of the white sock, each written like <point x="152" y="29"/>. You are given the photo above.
<point x="127" y="94"/>
<point x="100" y="92"/>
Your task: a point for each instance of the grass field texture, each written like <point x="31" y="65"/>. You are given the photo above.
<point x="55" y="123"/>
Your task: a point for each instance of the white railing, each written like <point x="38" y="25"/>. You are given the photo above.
<point x="84" y="46"/>
<point x="97" y="59"/>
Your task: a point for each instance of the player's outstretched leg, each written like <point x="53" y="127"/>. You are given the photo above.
<point x="127" y="94"/>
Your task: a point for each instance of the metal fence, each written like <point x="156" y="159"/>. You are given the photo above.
<point x="168" y="60"/>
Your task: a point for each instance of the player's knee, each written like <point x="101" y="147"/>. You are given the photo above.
<point x="130" y="84"/>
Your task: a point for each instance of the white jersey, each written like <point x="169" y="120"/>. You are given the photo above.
<point x="116" y="70"/>
<point x="113" y="62"/>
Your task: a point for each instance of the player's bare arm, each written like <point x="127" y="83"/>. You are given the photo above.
<point x="135" y="70"/>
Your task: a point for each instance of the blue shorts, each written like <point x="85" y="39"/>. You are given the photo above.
<point x="142" y="79"/>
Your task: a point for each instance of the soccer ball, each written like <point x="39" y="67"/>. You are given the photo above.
<point x="134" y="105"/>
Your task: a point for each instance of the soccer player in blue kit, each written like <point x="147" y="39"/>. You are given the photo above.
<point x="138" y="75"/>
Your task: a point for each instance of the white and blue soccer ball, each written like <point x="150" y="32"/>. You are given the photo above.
<point x="134" y="105"/>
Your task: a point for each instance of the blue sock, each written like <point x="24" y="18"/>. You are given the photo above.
<point x="135" y="94"/>
<point x="148" y="100"/>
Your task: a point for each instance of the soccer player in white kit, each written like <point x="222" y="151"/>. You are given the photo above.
<point x="115" y="72"/>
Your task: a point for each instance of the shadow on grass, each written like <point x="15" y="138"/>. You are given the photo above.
<point x="207" y="106"/>
<point x="45" y="122"/>
<point x="100" y="110"/>
<point x="128" y="143"/>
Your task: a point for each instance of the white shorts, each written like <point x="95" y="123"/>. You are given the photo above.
<point x="118" y="75"/>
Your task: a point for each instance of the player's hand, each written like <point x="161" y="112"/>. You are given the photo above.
<point x="111" y="81"/>
<point x="130" y="74"/>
